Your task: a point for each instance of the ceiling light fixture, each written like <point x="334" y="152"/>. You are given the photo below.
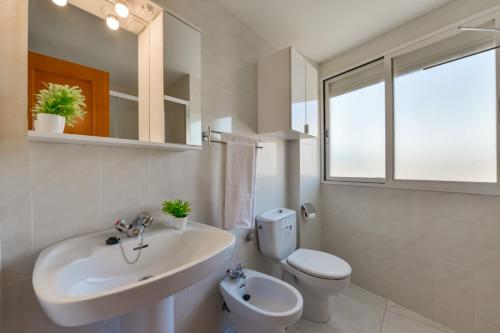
<point x="112" y="22"/>
<point x="121" y="8"/>
<point x="60" y="3"/>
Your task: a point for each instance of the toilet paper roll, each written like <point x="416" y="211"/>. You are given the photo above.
<point x="309" y="217"/>
<point x="308" y="212"/>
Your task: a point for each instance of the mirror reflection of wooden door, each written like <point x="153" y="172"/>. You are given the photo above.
<point x="93" y="82"/>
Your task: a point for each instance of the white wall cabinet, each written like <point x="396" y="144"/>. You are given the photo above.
<point x="287" y="96"/>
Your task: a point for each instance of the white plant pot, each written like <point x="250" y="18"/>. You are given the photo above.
<point x="49" y="123"/>
<point x="180" y="222"/>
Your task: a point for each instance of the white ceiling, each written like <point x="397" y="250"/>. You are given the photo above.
<point x="321" y="29"/>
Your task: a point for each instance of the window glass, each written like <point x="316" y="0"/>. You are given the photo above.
<point x="445" y="113"/>
<point x="357" y="123"/>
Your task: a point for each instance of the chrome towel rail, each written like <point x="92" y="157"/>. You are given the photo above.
<point x="207" y="137"/>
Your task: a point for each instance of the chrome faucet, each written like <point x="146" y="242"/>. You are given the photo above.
<point x="137" y="227"/>
<point x="236" y="273"/>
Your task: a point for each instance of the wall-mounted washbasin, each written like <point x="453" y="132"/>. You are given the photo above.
<point x="83" y="280"/>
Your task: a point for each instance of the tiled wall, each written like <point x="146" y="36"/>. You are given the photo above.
<point x="435" y="253"/>
<point x="310" y="231"/>
<point x="49" y="192"/>
<point x="303" y="171"/>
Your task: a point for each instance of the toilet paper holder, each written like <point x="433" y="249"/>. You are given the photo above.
<point x="308" y="211"/>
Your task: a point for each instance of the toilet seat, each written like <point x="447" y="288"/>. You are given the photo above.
<point x="319" y="264"/>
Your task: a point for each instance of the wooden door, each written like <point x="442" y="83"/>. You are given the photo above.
<point x="94" y="84"/>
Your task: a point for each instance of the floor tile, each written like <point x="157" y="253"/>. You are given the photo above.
<point x="310" y="327"/>
<point x="351" y="315"/>
<point x="365" y="296"/>
<point x="396" y="323"/>
<point x="295" y="327"/>
<point x="400" y="310"/>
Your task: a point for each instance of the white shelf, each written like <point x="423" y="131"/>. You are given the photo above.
<point x="102" y="141"/>
<point x="176" y="100"/>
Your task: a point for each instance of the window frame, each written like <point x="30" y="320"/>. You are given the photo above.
<point x="326" y="132"/>
<point x="390" y="181"/>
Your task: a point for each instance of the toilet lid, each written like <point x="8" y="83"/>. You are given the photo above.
<point x="319" y="264"/>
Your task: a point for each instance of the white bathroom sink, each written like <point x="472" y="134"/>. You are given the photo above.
<point x="83" y="280"/>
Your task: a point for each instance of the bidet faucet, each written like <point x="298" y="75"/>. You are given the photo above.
<point x="236" y="273"/>
<point x="137" y="227"/>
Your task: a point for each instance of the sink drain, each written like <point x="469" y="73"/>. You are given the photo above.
<point x="145" y="277"/>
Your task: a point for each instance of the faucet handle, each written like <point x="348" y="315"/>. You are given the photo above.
<point x="147" y="220"/>
<point x="143" y="219"/>
<point x="135" y="231"/>
<point x="236" y="273"/>
<point x="121" y="225"/>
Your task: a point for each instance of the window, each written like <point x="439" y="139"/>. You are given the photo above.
<point x="356" y="123"/>
<point x="445" y="114"/>
<point x="438" y="128"/>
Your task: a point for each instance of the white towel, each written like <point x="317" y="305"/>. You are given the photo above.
<point x="240" y="182"/>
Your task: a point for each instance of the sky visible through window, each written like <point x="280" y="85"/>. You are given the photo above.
<point x="444" y="125"/>
<point x="445" y="122"/>
<point x="357" y="133"/>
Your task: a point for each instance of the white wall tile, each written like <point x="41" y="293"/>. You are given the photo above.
<point x="15" y="208"/>
<point x="454" y="242"/>
<point x="487" y="266"/>
<point x="485" y="327"/>
<point x="125" y="184"/>
<point x="459" y="316"/>
<point x="448" y="249"/>
<point x="65" y="190"/>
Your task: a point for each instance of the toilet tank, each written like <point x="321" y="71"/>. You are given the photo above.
<point x="277" y="231"/>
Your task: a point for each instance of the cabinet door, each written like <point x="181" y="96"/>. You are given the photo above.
<point x="312" y="98"/>
<point x="298" y="98"/>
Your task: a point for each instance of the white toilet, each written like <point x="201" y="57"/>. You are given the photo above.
<point x="317" y="275"/>
<point x="272" y="305"/>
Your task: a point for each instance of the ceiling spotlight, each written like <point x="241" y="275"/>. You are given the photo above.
<point x="121" y="8"/>
<point x="112" y="22"/>
<point x="60" y="3"/>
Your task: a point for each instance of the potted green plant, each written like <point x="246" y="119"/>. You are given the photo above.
<point x="58" y="105"/>
<point x="179" y="210"/>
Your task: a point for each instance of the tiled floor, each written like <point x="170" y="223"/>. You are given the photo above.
<point x="357" y="310"/>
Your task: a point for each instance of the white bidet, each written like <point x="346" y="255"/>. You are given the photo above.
<point x="269" y="306"/>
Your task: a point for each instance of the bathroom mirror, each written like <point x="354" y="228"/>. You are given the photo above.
<point x="140" y="75"/>
<point x="181" y="81"/>
<point x="71" y="46"/>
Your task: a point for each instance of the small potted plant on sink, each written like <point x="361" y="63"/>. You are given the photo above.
<point x="179" y="210"/>
<point x="58" y="105"/>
